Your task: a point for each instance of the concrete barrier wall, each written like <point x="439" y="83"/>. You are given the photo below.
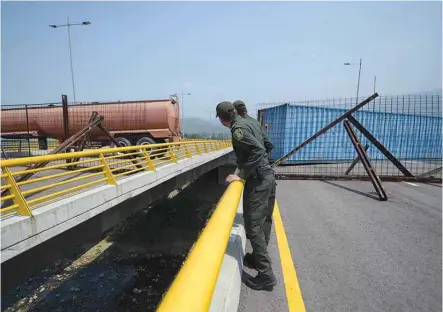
<point x="226" y="295"/>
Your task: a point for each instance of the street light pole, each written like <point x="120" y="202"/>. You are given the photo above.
<point x="183" y="114"/>
<point x="70" y="49"/>
<point x="210" y="121"/>
<point x="70" y="58"/>
<point x="359" y="72"/>
<point x="358" y="84"/>
<point x="375" y="79"/>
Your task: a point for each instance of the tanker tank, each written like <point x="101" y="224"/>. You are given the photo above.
<point x="131" y="122"/>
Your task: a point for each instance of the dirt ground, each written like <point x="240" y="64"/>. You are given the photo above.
<point x="132" y="267"/>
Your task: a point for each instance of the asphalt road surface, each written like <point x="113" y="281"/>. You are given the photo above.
<point x="354" y="253"/>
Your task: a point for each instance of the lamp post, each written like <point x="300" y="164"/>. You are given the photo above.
<point x="183" y="113"/>
<point x="375" y="79"/>
<point x="210" y="120"/>
<point x="70" y="51"/>
<point x="359" y="71"/>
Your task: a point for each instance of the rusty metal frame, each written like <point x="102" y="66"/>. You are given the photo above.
<point x="95" y="121"/>
<point x="324" y="130"/>
<point x="376" y="182"/>
<point x="60" y="149"/>
<point x="4" y="153"/>
<point x="380" y="146"/>
<point x="355" y="161"/>
<point x="83" y="141"/>
<point x="430" y="173"/>
<point x="65" y="117"/>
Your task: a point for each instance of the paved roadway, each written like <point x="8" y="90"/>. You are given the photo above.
<point x="354" y="253"/>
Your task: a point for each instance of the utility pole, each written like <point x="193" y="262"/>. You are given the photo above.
<point x="183" y="113"/>
<point x="359" y="72"/>
<point x="375" y="79"/>
<point x="70" y="50"/>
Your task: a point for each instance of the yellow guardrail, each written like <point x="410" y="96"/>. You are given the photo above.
<point x="194" y="285"/>
<point x="66" y="173"/>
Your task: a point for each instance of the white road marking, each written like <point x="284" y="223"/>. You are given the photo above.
<point x="413" y="184"/>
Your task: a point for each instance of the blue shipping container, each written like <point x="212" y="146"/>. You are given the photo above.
<point x="406" y="136"/>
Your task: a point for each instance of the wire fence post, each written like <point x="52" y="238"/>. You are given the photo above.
<point x="27" y="130"/>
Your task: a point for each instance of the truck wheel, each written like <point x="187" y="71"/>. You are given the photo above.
<point x="122" y="141"/>
<point x="145" y="141"/>
<point x="148" y="141"/>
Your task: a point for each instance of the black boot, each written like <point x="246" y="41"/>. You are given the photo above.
<point x="249" y="261"/>
<point x="261" y="282"/>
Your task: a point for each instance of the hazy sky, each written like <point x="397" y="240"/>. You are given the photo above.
<point x="258" y="52"/>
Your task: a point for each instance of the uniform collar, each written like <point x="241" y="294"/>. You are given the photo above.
<point x="235" y="119"/>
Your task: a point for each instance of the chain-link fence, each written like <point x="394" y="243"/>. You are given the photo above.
<point x="409" y="127"/>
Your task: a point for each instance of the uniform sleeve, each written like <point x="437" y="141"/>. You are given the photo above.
<point x="247" y="145"/>
<point x="268" y="144"/>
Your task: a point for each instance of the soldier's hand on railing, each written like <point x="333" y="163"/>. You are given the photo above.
<point x="232" y="177"/>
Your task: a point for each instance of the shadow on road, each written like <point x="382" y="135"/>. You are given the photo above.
<point x="351" y="190"/>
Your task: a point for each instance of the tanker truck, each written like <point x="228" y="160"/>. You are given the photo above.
<point x="130" y="122"/>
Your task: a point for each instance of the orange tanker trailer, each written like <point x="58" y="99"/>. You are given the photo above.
<point x="131" y="122"/>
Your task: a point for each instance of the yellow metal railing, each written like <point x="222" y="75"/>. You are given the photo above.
<point x="67" y="173"/>
<point x="194" y="285"/>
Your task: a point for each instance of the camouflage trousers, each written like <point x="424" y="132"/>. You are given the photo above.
<point x="258" y="206"/>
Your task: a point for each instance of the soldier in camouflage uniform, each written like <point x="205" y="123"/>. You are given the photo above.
<point x="240" y="106"/>
<point x="255" y="169"/>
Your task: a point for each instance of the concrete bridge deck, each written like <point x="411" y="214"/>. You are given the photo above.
<point x="20" y="233"/>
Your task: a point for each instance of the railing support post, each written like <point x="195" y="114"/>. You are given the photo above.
<point x="149" y="163"/>
<point x="171" y="154"/>
<point x="19" y="200"/>
<point x="188" y="153"/>
<point x="205" y="148"/>
<point x="107" y="171"/>
<point x="198" y="150"/>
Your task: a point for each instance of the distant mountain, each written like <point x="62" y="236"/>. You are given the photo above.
<point x="197" y="125"/>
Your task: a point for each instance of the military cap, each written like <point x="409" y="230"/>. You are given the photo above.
<point x="239" y="106"/>
<point x="225" y="110"/>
